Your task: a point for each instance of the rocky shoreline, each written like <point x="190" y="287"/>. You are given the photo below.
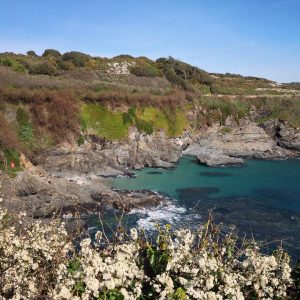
<point x="74" y="179"/>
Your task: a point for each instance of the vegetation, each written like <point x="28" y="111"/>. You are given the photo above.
<point x="58" y="91"/>
<point x="42" y="260"/>
<point x="77" y="58"/>
<point x="96" y="119"/>
<point x="44" y="68"/>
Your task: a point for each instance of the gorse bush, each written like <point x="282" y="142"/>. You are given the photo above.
<point x="77" y="58"/>
<point x="41" y="260"/>
<point x="31" y="53"/>
<point x="44" y="68"/>
<point x="145" y="69"/>
<point x="51" y="53"/>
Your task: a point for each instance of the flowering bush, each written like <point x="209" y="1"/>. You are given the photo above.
<point x="41" y="260"/>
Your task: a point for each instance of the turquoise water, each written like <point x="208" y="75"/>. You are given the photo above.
<point x="261" y="198"/>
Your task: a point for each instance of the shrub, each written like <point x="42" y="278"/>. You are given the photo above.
<point x="144" y="70"/>
<point x="15" y="65"/>
<point x="32" y="53"/>
<point x="129" y="116"/>
<point x="182" y="74"/>
<point x="8" y="137"/>
<point x="77" y="58"/>
<point x="51" y="53"/>
<point x="25" y="126"/>
<point x="81" y="140"/>
<point x="146" y="126"/>
<point x="66" y="65"/>
<point x="41" y="260"/>
<point x="44" y="68"/>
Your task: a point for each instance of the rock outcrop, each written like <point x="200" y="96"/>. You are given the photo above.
<point x="115" y="159"/>
<point x="284" y="134"/>
<point x="249" y="141"/>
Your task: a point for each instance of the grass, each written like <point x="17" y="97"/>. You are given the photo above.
<point x="173" y="121"/>
<point x="98" y="120"/>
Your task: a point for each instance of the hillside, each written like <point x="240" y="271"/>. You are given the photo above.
<point x="67" y="98"/>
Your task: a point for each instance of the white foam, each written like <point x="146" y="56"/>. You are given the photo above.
<point x="169" y="213"/>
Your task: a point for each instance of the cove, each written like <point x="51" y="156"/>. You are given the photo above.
<point x="261" y="198"/>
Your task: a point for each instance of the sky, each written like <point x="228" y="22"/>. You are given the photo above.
<point x="254" y="37"/>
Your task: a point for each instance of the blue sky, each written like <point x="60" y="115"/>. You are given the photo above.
<point x="253" y="37"/>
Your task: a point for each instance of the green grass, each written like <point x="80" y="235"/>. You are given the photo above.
<point x="96" y="119"/>
<point x="170" y="120"/>
<point x="99" y="120"/>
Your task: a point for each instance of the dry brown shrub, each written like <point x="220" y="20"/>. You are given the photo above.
<point x="58" y="114"/>
<point x="115" y="99"/>
<point x="8" y="137"/>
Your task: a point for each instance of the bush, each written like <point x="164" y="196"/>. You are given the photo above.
<point x="144" y="70"/>
<point x="8" y="137"/>
<point x="146" y="126"/>
<point x="42" y="260"/>
<point x="25" y="126"/>
<point x="32" y="53"/>
<point x="77" y="58"/>
<point x="58" y="114"/>
<point x="44" y="68"/>
<point x="51" y="53"/>
<point x="66" y="65"/>
<point x="182" y="74"/>
<point x="129" y="116"/>
<point x="15" y="65"/>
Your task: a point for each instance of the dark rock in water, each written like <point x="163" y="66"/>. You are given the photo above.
<point x="154" y="172"/>
<point x="222" y="210"/>
<point x="127" y="200"/>
<point x="194" y="193"/>
<point x="214" y="174"/>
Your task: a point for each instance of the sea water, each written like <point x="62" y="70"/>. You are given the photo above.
<point x="261" y="198"/>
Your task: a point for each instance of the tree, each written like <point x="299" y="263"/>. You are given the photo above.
<point x="31" y="53"/>
<point x="51" y="52"/>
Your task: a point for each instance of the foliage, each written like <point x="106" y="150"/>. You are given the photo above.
<point x="182" y="74"/>
<point x="145" y="69"/>
<point x="97" y="119"/>
<point x="51" y="53"/>
<point x="31" y="53"/>
<point x="81" y="140"/>
<point x="42" y="260"/>
<point x="146" y="126"/>
<point x="8" y="137"/>
<point x="129" y="116"/>
<point x="44" y="68"/>
<point x="77" y="58"/>
<point x="25" y="126"/>
<point x="15" y="65"/>
<point x="10" y="161"/>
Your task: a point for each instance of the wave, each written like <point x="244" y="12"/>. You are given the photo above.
<point x="162" y="214"/>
